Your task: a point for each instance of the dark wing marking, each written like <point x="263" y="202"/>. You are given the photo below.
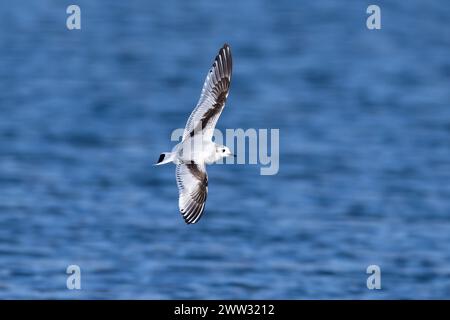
<point x="192" y="182"/>
<point x="213" y="97"/>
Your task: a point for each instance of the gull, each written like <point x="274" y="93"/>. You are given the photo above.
<point x="196" y="148"/>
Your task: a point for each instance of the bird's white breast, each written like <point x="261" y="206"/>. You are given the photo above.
<point x="198" y="151"/>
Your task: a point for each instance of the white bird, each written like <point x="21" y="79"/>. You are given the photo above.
<point x="197" y="148"/>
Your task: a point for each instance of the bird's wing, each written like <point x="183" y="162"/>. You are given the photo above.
<point x="192" y="181"/>
<point x="212" y="99"/>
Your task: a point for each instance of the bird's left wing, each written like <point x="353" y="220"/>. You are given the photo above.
<point x="212" y="99"/>
<point x="192" y="181"/>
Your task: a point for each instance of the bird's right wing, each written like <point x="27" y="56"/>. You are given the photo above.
<point x="213" y="97"/>
<point x="192" y="182"/>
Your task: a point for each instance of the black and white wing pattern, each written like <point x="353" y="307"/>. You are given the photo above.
<point x="192" y="181"/>
<point x="213" y="97"/>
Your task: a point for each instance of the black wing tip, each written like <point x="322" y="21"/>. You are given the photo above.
<point x="193" y="220"/>
<point x="161" y="158"/>
<point x="193" y="217"/>
<point x="188" y="222"/>
<point x="225" y="52"/>
<point x="227" y="49"/>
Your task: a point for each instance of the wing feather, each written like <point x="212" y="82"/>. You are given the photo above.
<point x="192" y="181"/>
<point x="213" y="97"/>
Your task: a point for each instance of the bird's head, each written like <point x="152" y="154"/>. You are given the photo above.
<point x="223" y="151"/>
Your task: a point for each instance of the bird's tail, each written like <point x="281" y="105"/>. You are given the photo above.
<point x="164" y="158"/>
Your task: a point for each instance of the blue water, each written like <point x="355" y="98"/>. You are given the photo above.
<point x="364" y="119"/>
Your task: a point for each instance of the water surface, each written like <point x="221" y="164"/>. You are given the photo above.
<point x="364" y="121"/>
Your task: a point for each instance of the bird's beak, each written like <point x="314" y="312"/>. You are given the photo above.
<point x="230" y="154"/>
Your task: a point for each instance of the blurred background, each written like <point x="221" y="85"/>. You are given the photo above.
<point x="364" y="121"/>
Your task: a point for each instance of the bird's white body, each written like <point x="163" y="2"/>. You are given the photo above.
<point x="202" y="151"/>
<point x="197" y="149"/>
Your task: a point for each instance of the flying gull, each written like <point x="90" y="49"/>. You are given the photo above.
<point x="197" y="149"/>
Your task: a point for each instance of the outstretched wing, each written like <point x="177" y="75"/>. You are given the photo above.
<point x="212" y="99"/>
<point x="192" y="182"/>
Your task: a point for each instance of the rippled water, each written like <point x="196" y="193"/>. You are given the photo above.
<point x="364" y="121"/>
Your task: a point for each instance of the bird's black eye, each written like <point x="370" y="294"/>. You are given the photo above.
<point x="223" y="150"/>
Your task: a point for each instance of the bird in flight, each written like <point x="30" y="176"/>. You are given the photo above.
<point x="197" y="149"/>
